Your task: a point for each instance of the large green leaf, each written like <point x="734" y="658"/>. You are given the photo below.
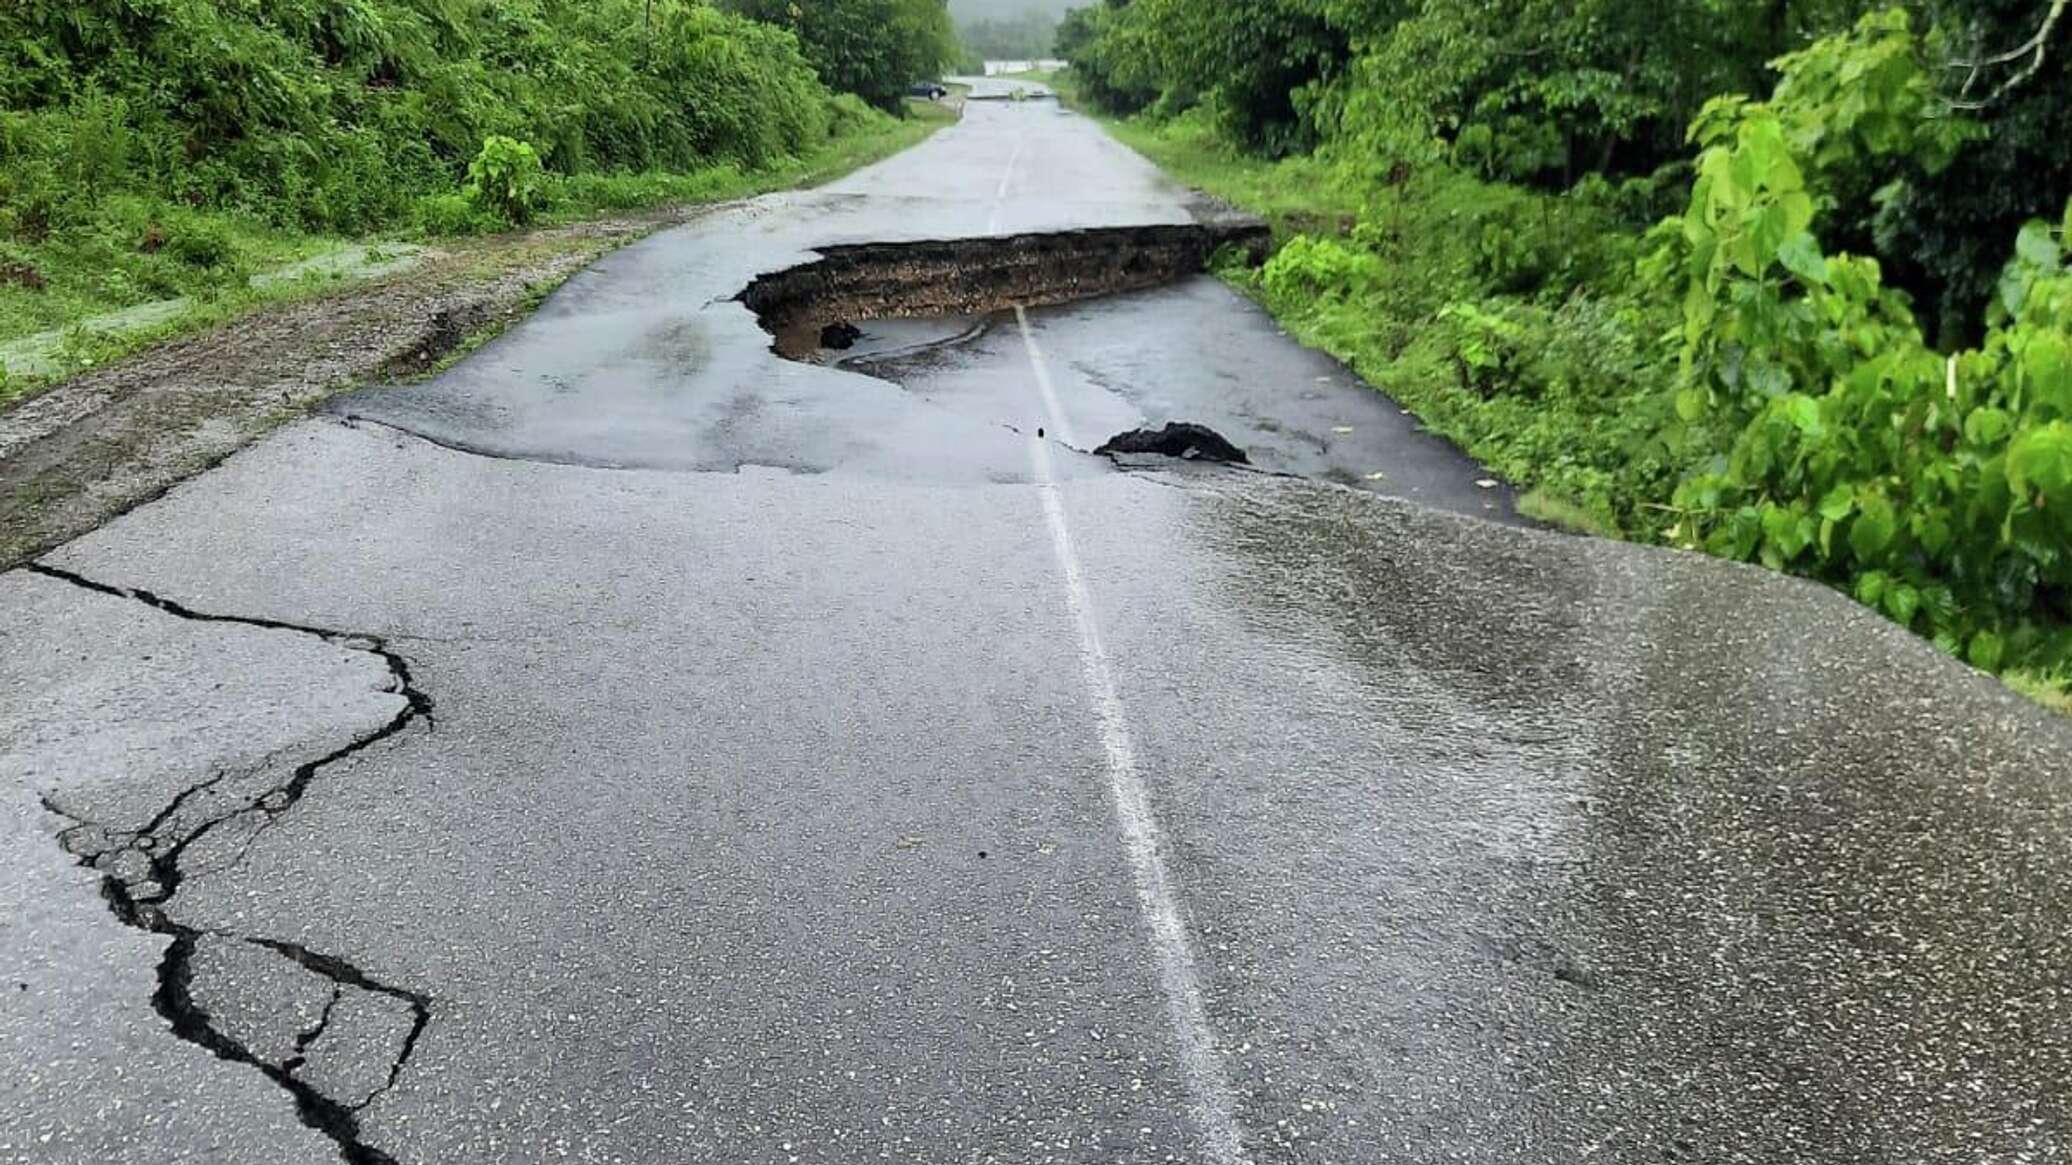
<point x="1987" y="427"/>
<point x="1804" y="412"/>
<point x="2013" y="288"/>
<point x="1987" y="651"/>
<point x="1737" y="537"/>
<point x="2039" y="463"/>
<point x="1798" y="211"/>
<point x="2047" y="362"/>
<point x="1769" y="156"/>
<point x="1838" y="503"/>
<point x="2037" y="245"/>
<point x="1768" y="231"/>
<point x="1875" y="527"/>
<point x="1801" y="256"/>
<point x="1787" y="533"/>
<point x="1769" y="379"/>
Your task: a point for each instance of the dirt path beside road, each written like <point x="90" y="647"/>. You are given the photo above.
<point x="102" y="443"/>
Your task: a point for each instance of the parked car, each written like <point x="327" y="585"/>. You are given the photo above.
<point x="930" y="90"/>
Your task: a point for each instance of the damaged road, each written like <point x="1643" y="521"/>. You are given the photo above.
<point x="836" y="760"/>
<point x="208" y="827"/>
<point x="963" y="277"/>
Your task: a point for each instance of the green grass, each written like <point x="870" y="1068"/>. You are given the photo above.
<point x="2053" y="691"/>
<point x="140" y="252"/>
<point x="1562" y="514"/>
<point x="1295" y="195"/>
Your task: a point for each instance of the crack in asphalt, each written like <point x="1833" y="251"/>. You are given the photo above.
<point x="142" y="897"/>
<point x="310" y="1035"/>
<point x="355" y="420"/>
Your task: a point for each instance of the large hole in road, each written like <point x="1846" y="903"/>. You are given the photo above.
<point x="816" y="306"/>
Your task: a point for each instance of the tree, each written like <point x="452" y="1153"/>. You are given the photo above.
<point x="872" y="48"/>
<point x="1947" y="234"/>
<point x="1111" y="62"/>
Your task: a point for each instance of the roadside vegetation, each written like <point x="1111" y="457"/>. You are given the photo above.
<point x="175" y="149"/>
<point x="872" y="48"/>
<point x="1784" y="282"/>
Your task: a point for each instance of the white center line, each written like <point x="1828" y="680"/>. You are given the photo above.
<point x="1053" y="411"/>
<point x="1006" y="179"/>
<point x="1213" y="1103"/>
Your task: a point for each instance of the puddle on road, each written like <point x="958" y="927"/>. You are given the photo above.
<point x="1131" y="341"/>
<point x="881" y="348"/>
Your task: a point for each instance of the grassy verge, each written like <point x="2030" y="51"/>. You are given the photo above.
<point x="1295" y="195"/>
<point x="207" y="259"/>
<point x="1435" y="287"/>
<point x="2051" y="691"/>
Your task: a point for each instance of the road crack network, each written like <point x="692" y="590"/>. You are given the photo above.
<point x="141" y="872"/>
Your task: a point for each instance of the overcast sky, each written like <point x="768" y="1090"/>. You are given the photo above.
<point x="995" y="9"/>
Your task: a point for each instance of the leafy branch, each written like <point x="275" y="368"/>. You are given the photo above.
<point x="2034" y="48"/>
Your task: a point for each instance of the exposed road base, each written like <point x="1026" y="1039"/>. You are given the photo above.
<point x="805" y="305"/>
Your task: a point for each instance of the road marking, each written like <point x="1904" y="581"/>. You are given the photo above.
<point x="1051" y="407"/>
<point x="1000" y="194"/>
<point x="1208" y="1081"/>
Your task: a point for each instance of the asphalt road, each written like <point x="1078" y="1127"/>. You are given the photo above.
<point x="632" y="747"/>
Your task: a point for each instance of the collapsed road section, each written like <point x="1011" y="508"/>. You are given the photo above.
<point x="710" y="355"/>
<point x="962" y="277"/>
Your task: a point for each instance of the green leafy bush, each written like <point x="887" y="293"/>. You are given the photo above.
<point x="504" y="179"/>
<point x="339" y="116"/>
<point x="1934" y="486"/>
<point x="452" y="214"/>
<point x="199" y="241"/>
<point x="1310" y="268"/>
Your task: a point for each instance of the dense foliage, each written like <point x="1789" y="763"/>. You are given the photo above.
<point x="872" y="48"/>
<point x="337" y="113"/>
<point x="1782" y="281"/>
<point x="160" y="148"/>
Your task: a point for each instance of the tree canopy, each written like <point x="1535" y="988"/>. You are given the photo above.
<point x="872" y="48"/>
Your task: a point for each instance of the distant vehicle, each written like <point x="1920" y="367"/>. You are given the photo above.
<point x="930" y="90"/>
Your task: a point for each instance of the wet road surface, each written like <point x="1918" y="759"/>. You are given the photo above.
<point x="630" y="746"/>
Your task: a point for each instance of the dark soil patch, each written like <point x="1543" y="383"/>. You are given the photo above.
<point x="1182" y="439"/>
<point x="22" y="275"/>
